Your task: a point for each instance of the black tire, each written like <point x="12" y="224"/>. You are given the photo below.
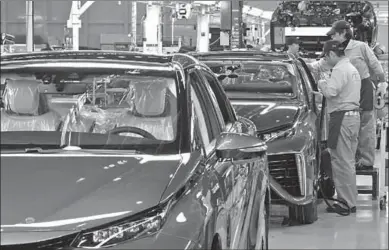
<point x="306" y="214"/>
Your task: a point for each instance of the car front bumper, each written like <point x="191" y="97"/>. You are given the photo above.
<point x="157" y="241"/>
<point x="290" y="180"/>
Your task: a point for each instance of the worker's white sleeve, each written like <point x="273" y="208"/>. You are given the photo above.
<point x="332" y="86"/>
<point x="319" y="66"/>
<point x="373" y="63"/>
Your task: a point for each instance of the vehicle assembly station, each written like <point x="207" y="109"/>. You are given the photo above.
<point x="194" y="124"/>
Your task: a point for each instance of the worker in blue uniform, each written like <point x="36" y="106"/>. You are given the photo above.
<point x="342" y="91"/>
<point x="364" y="60"/>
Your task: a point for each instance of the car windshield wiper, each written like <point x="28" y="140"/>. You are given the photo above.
<point x="33" y="148"/>
<point x="40" y="150"/>
<point x="18" y="149"/>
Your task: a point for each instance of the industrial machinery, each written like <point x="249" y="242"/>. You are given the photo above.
<point x="311" y="20"/>
<point x="7" y="41"/>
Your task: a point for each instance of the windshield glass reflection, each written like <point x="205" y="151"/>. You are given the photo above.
<point x="259" y="77"/>
<point x="126" y="108"/>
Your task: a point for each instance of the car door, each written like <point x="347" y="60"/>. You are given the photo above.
<point x="319" y="102"/>
<point x="239" y="177"/>
<point x="207" y="132"/>
<point x="312" y="84"/>
<point x="315" y="115"/>
<point x="219" y="98"/>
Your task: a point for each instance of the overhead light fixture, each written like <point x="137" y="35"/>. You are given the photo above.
<point x="256" y="12"/>
<point x="249" y="10"/>
<point x="209" y="3"/>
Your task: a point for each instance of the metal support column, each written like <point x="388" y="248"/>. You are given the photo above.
<point x="258" y="34"/>
<point x="225" y="23"/>
<point x="203" y="19"/>
<point x="134" y="16"/>
<point x="173" y="21"/>
<point x="76" y="24"/>
<point x="263" y="31"/>
<point x="30" y="25"/>
<point x="237" y="24"/>
<point x="74" y="21"/>
<point x="253" y="34"/>
<point x="152" y="35"/>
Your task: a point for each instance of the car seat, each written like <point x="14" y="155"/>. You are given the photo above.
<point x="155" y="110"/>
<point x="26" y="109"/>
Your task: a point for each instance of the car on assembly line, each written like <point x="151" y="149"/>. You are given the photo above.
<point x="280" y="96"/>
<point x="121" y="150"/>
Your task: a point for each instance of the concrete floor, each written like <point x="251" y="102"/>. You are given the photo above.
<point x="367" y="229"/>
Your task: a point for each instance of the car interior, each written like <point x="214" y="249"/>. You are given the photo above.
<point x="257" y="77"/>
<point x="137" y="106"/>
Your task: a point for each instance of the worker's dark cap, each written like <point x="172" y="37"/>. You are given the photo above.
<point x="332" y="45"/>
<point x="339" y="25"/>
<point x="292" y="40"/>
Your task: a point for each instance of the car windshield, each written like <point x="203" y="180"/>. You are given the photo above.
<point x="263" y="78"/>
<point x="111" y="109"/>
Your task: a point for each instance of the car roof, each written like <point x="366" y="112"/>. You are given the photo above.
<point x="252" y="55"/>
<point x="101" y="56"/>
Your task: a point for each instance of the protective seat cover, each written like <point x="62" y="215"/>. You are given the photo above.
<point x="25" y="109"/>
<point x="155" y="108"/>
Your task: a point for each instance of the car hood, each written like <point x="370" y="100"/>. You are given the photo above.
<point x="268" y="115"/>
<point x="75" y="192"/>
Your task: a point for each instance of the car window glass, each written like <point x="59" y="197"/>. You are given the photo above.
<point x="200" y="118"/>
<point x="265" y="78"/>
<point x="209" y="107"/>
<point x="216" y="91"/>
<point x="306" y="82"/>
<point x="101" y="107"/>
<point x="306" y="78"/>
<point x="301" y="86"/>
<point x="216" y="104"/>
<point x="309" y="75"/>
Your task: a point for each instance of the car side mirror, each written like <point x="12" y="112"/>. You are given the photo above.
<point x="221" y="77"/>
<point x="239" y="147"/>
<point x="231" y="76"/>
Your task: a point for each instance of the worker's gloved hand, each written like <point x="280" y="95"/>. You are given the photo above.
<point x="382" y="88"/>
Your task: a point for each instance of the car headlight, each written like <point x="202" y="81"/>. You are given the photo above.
<point x="136" y="227"/>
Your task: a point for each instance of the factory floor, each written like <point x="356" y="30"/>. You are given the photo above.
<point x="367" y="229"/>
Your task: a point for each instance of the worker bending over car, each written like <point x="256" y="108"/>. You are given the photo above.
<point x="342" y="91"/>
<point x="364" y="60"/>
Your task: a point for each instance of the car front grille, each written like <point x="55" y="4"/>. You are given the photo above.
<point x="283" y="168"/>
<point x="62" y="243"/>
